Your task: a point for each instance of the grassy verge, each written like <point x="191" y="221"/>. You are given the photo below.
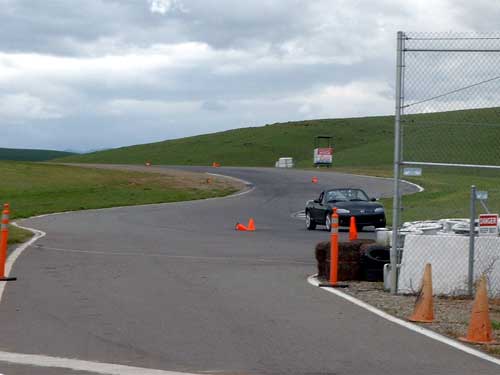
<point x="18" y="235"/>
<point x="35" y="189"/>
<point x="446" y="195"/>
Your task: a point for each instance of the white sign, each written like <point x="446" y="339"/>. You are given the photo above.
<point x="412" y="172"/>
<point x="488" y="225"/>
<point x="482" y="195"/>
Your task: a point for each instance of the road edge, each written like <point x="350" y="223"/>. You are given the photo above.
<point x="11" y="259"/>
<point x="312" y="280"/>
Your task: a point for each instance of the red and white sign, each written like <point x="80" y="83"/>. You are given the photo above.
<point x="488" y="225"/>
<point x="323" y="155"/>
<point x="325" y="151"/>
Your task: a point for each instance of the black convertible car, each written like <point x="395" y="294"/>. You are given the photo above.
<point x="349" y="202"/>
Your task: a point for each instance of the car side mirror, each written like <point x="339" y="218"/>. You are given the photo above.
<point x="373" y="199"/>
<point x="316" y="201"/>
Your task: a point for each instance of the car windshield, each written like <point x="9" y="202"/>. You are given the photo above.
<point x="345" y="195"/>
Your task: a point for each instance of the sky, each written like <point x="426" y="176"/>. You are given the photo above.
<point x="94" y="74"/>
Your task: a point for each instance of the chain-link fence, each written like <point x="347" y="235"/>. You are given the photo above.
<point x="447" y="130"/>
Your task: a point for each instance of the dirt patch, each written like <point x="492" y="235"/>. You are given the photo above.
<point x="452" y="314"/>
<point x="171" y="177"/>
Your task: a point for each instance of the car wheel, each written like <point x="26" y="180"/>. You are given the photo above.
<point x="328" y="222"/>
<point x="310" y="224"/>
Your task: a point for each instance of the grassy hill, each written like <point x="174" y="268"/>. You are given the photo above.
<point x="16" y="154"/>
<point x="459" y="136"/>
<point x="365" y="140"/>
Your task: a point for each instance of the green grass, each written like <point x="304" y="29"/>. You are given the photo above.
<point x="495" y="324"/>
<point x="34" y="189"/>
<point x="31" y="155"/>
<point x="361" y="141"/>
<point x="18" y="235"/>
<point x="446" y="194"/>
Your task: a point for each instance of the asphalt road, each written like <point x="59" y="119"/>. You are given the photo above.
<point x="174" y="287"/>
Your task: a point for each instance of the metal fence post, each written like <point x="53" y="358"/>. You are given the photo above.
<point x="470" y="282"/>
<point x="397" y="161"/>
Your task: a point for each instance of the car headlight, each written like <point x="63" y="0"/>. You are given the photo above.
<point x="343" y="211"/>
<point x="379" y="210"/>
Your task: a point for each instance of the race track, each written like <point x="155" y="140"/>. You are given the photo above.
<point x="175" y="287"/>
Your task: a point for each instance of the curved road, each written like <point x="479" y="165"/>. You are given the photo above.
<point x="174" y="287"/>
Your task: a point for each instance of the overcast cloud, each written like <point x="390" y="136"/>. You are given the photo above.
<point x="106" y="73"/>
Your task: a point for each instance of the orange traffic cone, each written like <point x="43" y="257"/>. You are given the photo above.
<point x="314" y="180"/>
<point x="353" y="232"/>
<point x="240" y="227"/>
<point x="251" y="225"/>
<point x="480" y="325"/>
<point x="424" y="307"/>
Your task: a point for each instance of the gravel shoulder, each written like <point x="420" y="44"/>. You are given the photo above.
<point x="452" y="314"/>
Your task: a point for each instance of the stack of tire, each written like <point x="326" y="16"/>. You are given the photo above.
<point x="372" y="261"/>
<point x="358" y="260"/>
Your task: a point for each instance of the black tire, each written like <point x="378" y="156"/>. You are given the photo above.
<point x="377" y="254"/>
<point x="310" y="224"/>
<point x="373" y="259"/>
